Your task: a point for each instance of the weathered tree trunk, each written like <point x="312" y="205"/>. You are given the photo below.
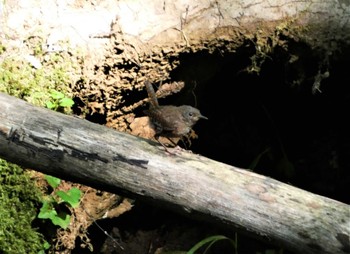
<point x="77" y="150"/>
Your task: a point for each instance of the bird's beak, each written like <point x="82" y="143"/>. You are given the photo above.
<point x="203" y="117"/>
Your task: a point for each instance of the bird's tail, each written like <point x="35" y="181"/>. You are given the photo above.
<point x="153" y="101"/>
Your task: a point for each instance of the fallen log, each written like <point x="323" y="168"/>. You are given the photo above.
<point x="77" y="150"/>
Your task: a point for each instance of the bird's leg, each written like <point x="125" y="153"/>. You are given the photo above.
<point x="172" y="141"/>
<point x="166" y="148"/>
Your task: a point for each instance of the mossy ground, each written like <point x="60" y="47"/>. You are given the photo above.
<point x="32" y="75"/>
<point x="19" y="201"/>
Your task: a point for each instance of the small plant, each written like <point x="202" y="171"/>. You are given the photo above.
<point x="59" y="101"/>
<point x="36" y="77"/>
<point x="256" y="160"/>
<point x="55" y="207"/>
<point x="210" y="241"/>
<point x="46" y="246"/>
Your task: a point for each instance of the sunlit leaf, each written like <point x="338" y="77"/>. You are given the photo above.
<point x="56" y="94"/>
<point x="52" y="181"/>
<point x="72" y="196"/>
<point x="66" y="102"/>
<point x="209" y="240"/>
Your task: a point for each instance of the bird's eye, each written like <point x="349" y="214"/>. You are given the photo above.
<point x="190" y="114"/>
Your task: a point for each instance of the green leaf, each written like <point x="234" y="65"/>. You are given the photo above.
<point x="46" y="245"/>
<point x="50" y="105"/>
<point x="47" y="211"/>
<point x="56" y="94"/>
<point x="52" y="181"/>
<point x="211" y="240"/>
<point x="257" y="159"/>
<point x="62" y="219"/>
<point x="72" y="196"/>
<point x="66" y="102"/>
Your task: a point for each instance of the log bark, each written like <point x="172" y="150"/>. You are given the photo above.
<point x="77" y="150"/>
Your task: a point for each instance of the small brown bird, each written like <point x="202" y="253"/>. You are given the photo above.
<point x="171" y="121"/>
